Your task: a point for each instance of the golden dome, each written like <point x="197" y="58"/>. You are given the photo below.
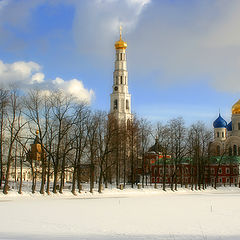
<point x="37" y="132"/>
<point x="120" y="44"/>
<point x="236" y="108"/>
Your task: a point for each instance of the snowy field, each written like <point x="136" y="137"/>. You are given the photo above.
<point x="128" y="214"/>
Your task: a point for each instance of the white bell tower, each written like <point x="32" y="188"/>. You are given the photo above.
<point x="120" y="98"/>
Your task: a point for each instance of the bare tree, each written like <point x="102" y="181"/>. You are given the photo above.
<point x="62" y="118"/>
<point x="199" y="139"/>
<point x="178" y="148"/>
<point x="145" y="131"/>
<point x="164" y="137"/>
<point x="15" y="123"/>
<point x="81" y="141"/>
<point x="92" y="128"/>
<point x="4" y="98"/>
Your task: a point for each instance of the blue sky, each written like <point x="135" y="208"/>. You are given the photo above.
<point x="183" y="56"/>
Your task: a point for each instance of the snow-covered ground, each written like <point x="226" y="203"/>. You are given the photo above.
<point x="128" y="214"/>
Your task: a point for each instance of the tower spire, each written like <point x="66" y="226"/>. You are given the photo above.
<point x="120" y="28"/>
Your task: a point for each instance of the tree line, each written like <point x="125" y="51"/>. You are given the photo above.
<point x="72" y="136"/>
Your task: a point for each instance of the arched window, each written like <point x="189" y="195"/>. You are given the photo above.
<point x="115" y="105"/>
<point x="223" y="134"/>
<point x="121" y="79"/>
<point x="127" y="104"/>
<point x="234" y="150"/>
<point x="218" y="150"/>
<point x="218" y="134"/>
<point x="230" y="151"/>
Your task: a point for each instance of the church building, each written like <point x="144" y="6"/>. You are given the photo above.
<point x="227" y="135"/>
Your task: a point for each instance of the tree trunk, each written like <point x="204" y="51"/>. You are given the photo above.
<point x="55" y="177"/>
<point x="91" y="177"/>
<point x="48" y="177"/>
<point x="62" y="176"/>
<point x="34" y="176"/>
<point x="164" y="174"/>
<point x="1" y="148"/>
<point x="43" y="172"/>
<point x="74" y="176"/>
<point x="100" y="180"/>
<point x="21" y="178"/>
<point x="5" y="189"/>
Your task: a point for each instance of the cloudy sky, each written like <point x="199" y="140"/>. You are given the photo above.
<point x="183" y="56"/>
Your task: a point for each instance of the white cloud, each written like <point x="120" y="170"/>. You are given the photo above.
<point x="183" y="43"/>
<point x="58" y="81"/>
<point x="28" y="75"/>
<point x="38" y="78"/>
<point x="74" y="88"/>
<point x="178" y="42"/>
<point x="97" y="22"/>
<point x="19" y="72"/>
<point x="3" y="3"/>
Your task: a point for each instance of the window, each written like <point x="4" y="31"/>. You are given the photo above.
<point x="218" y="134"/>
<point x="212" y="171"/>
<point x="227" y="170"/>
<point x="220" y="171"/>
<point x="115" y="105"/>
<point x="234" y="150"/>
<point x="127" y="104"/>
<point x="220" y="179"/>
<point x="227" y="179"/>
<point x="239" y="126"/>
<point x="121" y="79"/>
<point x="222" y="134"/>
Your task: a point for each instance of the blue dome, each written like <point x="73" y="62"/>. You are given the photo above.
<point x="219" y="122"/>
<point x="229" y="126"/>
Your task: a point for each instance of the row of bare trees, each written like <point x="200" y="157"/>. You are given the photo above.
<point x="74" y="138"/>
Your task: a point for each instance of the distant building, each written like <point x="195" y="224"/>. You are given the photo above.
<point x="33" y="160"/>
<point x="227" y="135"/>
<point x="222" y="165"/>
